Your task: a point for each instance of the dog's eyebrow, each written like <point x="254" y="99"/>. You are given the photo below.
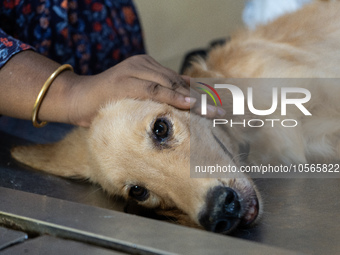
<point x="244" y="150"/>
<point x="223" y="147"/>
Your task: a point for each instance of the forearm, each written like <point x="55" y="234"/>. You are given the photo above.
<point x="76" y="99"/>
<point x="23" y="76"/>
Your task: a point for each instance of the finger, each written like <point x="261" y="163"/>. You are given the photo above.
<point x="186" y="78"/>
<point x="212" y="111"/>
<point x="152" y="71"/>
<point x="168" y="78"/>
<point x="159" y="93"/>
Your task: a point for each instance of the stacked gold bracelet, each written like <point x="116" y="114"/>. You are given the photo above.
<point x="43" y="92"/>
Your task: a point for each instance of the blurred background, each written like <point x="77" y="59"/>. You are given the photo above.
<point x="173" y="28"/>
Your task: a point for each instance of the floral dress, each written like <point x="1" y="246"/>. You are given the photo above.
<point x="91" y="35"/>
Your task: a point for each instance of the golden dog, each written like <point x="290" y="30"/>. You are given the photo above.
<point x="141" y="150"/>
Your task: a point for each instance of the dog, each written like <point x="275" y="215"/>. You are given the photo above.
<point x="140" y="150"/>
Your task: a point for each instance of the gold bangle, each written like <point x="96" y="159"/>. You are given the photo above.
<point x="43" y="92"/>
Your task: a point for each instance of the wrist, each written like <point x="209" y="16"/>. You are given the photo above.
<point x="81" y="100"/>
<point x="57" y="103"/>
<point x="23" y="77"/>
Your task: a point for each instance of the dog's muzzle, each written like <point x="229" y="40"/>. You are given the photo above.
<point x="223" y="211"/>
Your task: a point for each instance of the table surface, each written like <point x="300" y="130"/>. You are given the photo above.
<point x="300" y="215"/>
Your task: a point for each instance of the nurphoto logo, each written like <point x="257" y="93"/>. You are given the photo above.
<point x="239" y="101"/>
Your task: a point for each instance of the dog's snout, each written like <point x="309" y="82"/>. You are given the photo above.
<point x="221" y="213"/>
<point x="231" y="203"/>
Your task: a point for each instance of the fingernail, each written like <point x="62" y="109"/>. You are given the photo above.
<point x="221" y="112"/>
<point x="190" y="100"/>
<point x="211" y="109"/>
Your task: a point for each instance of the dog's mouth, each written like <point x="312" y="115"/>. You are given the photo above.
<point x="251" y="213"/>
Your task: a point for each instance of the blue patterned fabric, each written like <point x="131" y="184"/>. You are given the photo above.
<point x="91" y="35"/>
<point x="9" y="46"/>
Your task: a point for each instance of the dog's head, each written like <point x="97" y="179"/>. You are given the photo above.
<point x="140" y="150"/>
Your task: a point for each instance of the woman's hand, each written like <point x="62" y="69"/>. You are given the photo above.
<point x="76" y="99"/>
<point x="138" y="77"/>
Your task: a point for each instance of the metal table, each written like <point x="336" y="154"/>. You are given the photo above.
<point x="63" y="216"/>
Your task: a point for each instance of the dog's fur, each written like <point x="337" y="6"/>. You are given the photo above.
<point x="120" y="150"/>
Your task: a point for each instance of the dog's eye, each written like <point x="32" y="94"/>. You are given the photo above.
<point x="139" y="193"/>
<point x="161" y="129"/>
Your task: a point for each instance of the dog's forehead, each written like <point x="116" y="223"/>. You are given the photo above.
<point x="136" y="115"/>
<point x="133" y="110"/>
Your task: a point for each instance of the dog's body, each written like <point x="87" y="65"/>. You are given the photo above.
<point x="140" y="149"/>
<point x="304" y="44"/>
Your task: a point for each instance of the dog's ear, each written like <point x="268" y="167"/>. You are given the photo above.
<point x="67" y="158"/>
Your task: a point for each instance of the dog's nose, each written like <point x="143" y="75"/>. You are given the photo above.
<point x="231" y="203"/>
<point x="221" y="213"/>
